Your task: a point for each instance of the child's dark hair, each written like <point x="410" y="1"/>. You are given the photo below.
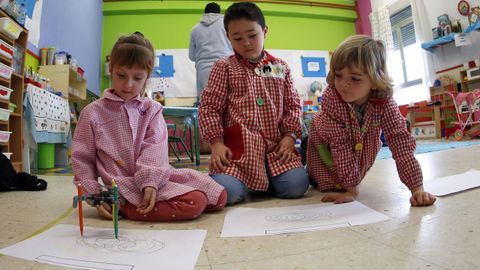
<point x="133" y="51"/>
<point x="243" y="10"/>
<point x="212" y="8"/>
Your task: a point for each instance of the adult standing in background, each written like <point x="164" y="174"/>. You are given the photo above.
<point x="208" y="43"/>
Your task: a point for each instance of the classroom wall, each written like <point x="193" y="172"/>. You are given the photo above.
<point x="168" y="24"/>
<point x="76" y="27"/>
<point x="448" y="55"/>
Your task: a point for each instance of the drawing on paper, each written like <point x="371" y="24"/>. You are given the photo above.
<point x="304" y="216"/>
<point x="122" y="244"/>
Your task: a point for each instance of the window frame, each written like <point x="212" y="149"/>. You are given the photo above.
<point x="397" y="28"/>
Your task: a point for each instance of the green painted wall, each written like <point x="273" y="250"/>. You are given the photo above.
<point x="168" y="23"/>
<point x="31" y="62"/>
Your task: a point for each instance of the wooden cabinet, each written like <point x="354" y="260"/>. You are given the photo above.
<point x="67" y="80"/>
<point x="441" y="94"/>
<point x="468" y="85"/>
<point x="14" y="124"/>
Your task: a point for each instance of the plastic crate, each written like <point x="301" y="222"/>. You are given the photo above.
<point x="5" y="92"/>
<point x="6" y="49"/>
<point x="5" y="136"/>
<point x="4" y="114"/>
<point x="5" y="71"/>
<point x="9" y="28"/>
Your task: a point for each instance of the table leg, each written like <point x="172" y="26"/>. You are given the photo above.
<point x="197" y="138"/>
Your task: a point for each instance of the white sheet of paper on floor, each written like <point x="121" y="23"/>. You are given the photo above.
<point x="98" y="249"/>
<point x="453" y="183"/>
<point x="293" y="219"/>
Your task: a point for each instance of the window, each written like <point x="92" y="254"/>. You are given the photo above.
<point x="406" y="62"/>
<point x="404" y="66"/>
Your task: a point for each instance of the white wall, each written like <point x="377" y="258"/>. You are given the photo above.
<point x="448" y="55"/>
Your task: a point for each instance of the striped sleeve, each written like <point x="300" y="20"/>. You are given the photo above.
<point x="402" y="145"/>
<point x="213" y="103"/>
<point x="292" y="109"/>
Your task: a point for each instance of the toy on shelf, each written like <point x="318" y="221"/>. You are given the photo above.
<point x="109" y="196"/>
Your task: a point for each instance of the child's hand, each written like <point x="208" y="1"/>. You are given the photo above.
<point x="220" y="157"/>
<point x="149" y="200"/>
<point x="421" y="197"/>
<point x="285" y="149"/>
<point x="344" y="197"/>
<point x="104" y="209"/>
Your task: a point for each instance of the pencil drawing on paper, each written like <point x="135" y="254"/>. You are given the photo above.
<point x="303" y="216"/>
<point x="122" y="244"/>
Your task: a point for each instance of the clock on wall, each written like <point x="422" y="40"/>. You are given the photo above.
<point x="463" y="7"/>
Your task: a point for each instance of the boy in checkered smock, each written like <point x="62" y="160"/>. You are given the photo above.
<point x="344" y="136"/>
<point x="250" y="114"/>
<point x="123" y="137"/>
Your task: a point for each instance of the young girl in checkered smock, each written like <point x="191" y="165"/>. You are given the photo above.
<point x="250" y="114"/>
<point x="123" y="137"/>
<point x="344" y="136"/>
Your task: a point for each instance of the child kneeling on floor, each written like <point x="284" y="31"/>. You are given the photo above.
<point x="123" y="137"/>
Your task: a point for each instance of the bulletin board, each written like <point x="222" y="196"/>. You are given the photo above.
<point x="174" y="73"/>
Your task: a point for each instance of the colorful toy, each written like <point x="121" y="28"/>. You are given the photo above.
<point x="467" y="106"/>
<point x="109" y="196"/>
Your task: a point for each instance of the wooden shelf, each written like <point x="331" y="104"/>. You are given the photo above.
<point x="15" y="82"/>
<point x="477" y="80"/>
<point x="4" y="80"/>
<point x="5" y="59"/>
<point x="468" y="85"/>
<point x="16" y="75"/>
<point x="63" y="78"/>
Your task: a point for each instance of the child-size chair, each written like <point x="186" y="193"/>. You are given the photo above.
<point x="178" y="137"/>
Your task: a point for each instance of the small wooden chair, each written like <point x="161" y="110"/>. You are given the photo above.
<point x="174" y="139"/>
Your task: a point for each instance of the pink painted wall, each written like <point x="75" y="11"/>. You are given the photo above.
<point x="362" y="25"/>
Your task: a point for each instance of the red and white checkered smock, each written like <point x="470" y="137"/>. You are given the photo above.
<point x="354" y="149"/>
<point x="127" y="141"/>
<point x="250" y="113"/>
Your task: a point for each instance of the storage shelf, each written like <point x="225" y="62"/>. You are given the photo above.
<point x="15" y="82"/>
<point x="5" y="59"/>
<point x="472" y="81"/>
<point x="431" y="45"/>
<point x="4" y="80"/>
<point x="62" y="78"/>
<point x="16" y="75"/>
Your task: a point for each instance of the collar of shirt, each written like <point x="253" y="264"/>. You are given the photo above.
<point x="359" y="111"/>
<point x="136" y="103"/>
<point x="110" y="95"/>
<point x="267" y="58"/>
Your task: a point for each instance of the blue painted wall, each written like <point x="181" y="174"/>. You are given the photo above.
<point x="75" y="26"/>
